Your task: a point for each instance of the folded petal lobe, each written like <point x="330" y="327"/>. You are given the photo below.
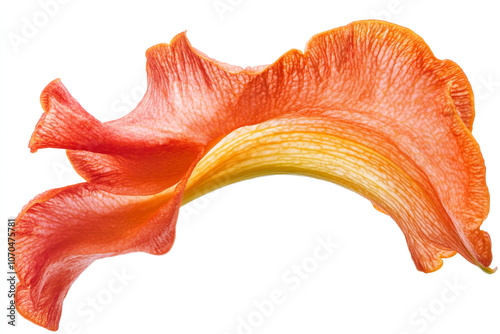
<point x="131" y="160"/>
<point x="62" y="231"/>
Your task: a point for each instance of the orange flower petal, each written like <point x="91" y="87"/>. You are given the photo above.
<point x="342" y="152"/>
<point x="119" y="158"/>
<point x="62" y="231"/>
<point x="367" y="106"/>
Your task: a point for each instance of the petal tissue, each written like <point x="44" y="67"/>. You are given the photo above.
<point x="366" y="106"/>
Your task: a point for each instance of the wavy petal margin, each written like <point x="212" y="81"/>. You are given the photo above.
<point x="366" y="106"/>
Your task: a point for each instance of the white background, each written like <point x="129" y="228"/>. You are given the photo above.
<point x="234" y="247"/>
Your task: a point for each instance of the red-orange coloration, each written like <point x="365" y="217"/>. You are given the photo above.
<point x="367" y="106"/>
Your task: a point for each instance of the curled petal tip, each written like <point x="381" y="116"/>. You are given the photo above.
<point x="487" y="269"/>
